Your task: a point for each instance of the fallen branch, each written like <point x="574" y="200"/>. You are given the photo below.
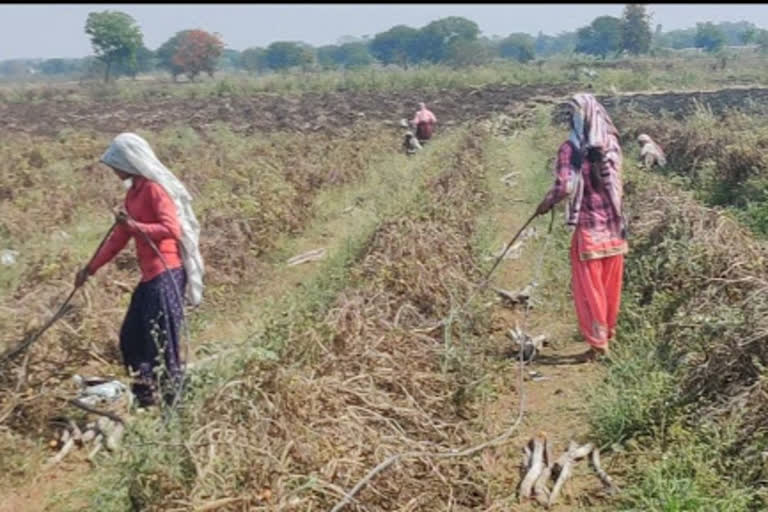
<point x="540" y="489"/>
<point x="216" y="504"/>
<point x="601" y="474"/>
<point x="518" y="298"/>
<point x="530" y="346"/>
<point x="313" y="255"/>
<point x="564" y="466"/>
<point x="510" y="178"/>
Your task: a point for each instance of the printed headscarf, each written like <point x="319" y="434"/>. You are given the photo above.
<point x="132" y="154"/>
<point x="592" y="128"/>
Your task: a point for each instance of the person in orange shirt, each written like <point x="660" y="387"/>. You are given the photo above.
<point x="158" y="216"/>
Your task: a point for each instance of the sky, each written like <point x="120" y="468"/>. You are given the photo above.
<point x="57" y="30"/>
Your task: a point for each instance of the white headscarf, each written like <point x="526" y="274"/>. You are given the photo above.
<point x="132" y="154"/>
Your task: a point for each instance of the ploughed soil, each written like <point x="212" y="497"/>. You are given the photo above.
<point x="337" y="111"/>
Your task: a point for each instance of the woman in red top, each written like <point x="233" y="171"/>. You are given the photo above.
<point x="158" y="217"/>
<point x="589" y="173"/>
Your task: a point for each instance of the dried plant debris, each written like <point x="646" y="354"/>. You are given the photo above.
<point x="540" y="469"/>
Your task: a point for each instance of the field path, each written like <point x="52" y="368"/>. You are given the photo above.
<point x="555" y="382"/>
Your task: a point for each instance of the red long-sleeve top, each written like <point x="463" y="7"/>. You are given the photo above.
<point x="155" y="214"/>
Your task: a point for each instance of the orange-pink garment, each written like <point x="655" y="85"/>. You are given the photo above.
<point x="424" y="116"/>
<point x="596" y="285"/>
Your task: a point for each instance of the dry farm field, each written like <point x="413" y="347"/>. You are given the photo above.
<point x="304" y="378"/>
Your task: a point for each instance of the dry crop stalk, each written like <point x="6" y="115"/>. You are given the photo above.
<point x="540" y="489"/>
<point x="539" y="467"/>
<point x="607" y="481"/>
<point x="349" y="496"/>
<point x="63" y="309"/>
<point x="565" y="464"/>
<point x="535" y="465"/>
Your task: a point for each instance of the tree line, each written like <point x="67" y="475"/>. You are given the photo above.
<point x="119" y="49"/>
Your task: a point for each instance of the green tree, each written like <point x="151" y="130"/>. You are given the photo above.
<point x="353" y="55"/>
<point x="253" y="60"/>
<point x="395" y="46"/>
<point x="748" y="36"/>
<point x="229" y="59"/>
<point x="145" y="60"/>
<point x="61" y="66"/>
<point x="520" y="47"/>
<point x="326" y="56"/>
<point x="286" y="54"/>
<point x="734" y="31"/>
<point x="115" y="38"/>
<point x="636" y="29"/>
<point x="16" y="67"/>
<point x="601" y="37"/>
<point x="433" y="43"/>
<point x="677" y="39"/>
<point x="347" y="55"/>
<point x="463" y="53"/>
<point x="761" y="39"/>
<point x="709" y="37"/>
<point x="144" y="63"/>
<point x="546" y="46"/>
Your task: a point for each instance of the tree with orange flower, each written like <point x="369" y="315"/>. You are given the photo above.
<point x="197" y="52"/>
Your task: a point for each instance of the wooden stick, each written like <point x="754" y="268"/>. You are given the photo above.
<point x="61" y="454"/>
<point x="562" y="468"/>
<point x="602" y="475"/>
<point x="216" y="504"/>
<point x="98" y="444"/>
<point x="526" y="459"/>
<point x="535" y="468"/>
<point x="540" y="489"/>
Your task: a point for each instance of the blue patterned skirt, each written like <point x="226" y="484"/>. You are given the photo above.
<point x="149" y="337"/>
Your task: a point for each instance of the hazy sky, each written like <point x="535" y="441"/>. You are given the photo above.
<point x="56" y="30"/>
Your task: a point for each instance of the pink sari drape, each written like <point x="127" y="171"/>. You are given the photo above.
<point x="596" y="285"/>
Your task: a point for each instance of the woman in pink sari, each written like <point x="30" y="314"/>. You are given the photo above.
<point x="424" y="122"/>
<point x="588" y="172"/>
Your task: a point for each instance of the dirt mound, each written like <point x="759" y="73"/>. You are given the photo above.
<point x="683" y="104"/>
<point x="308" y="112"/>
<point x="336" y="112"/>
<point x="679" y="105"/>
